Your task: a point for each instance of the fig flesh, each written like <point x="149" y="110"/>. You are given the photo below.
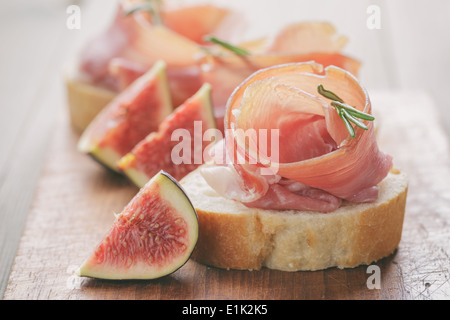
<point x="153" y="236"/>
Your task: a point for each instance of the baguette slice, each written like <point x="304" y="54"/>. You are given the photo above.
<point x="232" y="236"/>
<point x="84" y="100"/>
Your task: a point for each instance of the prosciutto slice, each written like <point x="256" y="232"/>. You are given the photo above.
<point x="183" y="81"/>
<point x="319" y="37"/>
<point x="132" y="43"/>
<point x="136" y="39"/>
<point x="315" y="149"/>
<point x="298" y="42"/>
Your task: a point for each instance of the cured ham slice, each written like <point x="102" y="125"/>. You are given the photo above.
<point x="135" y="38"/>
<point x="319" y="37"/>
<point x="183" y="81"/>
<point x="225" y="73"/>
<point x="194" y="22"/>
<point x="125" y="71"/>
<point x="279" y="198"/>
<point x="133" y="43"/>
<point x="301" y="42"/>
<point x="315" y="148"/>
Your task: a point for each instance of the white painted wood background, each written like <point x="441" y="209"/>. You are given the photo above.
<point x="411" y="52"/>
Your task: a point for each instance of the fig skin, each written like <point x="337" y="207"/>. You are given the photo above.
<point x="161" y="241"/>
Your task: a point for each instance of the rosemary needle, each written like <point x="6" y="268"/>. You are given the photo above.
<point x="347" y="123"/>
<point x="355" y="112"/>
<point x="328" y="94"/>
<point x="226" y="45"/>
<point x="351" y="118"/>
<point x="346" y="112"/>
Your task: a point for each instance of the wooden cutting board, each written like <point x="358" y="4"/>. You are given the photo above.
<point x="76" y="198"/>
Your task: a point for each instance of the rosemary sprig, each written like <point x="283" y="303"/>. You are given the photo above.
<point x="328" y="94"/>
<point x="346" y="112"/>
<point x="152" y="6"/>
<point x="226" y="45"/>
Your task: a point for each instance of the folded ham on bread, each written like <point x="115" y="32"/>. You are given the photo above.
<point x="327" y="199"/>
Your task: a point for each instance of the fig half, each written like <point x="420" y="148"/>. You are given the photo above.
<point x="154" y="153"/>
<point x="128" y="118"/>
<point x="153" y="236"/>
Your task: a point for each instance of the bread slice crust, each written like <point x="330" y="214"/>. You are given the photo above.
<point x="85" y="101"/>
<point x="232" y="236"/>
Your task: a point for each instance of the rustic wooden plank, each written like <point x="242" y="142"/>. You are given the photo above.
<point x="59" y="233"/>
<point x="76" y="199"/>
<point x="25" y="118"/>
<point x="411" y="130"/>
<point x="35" y="46"/>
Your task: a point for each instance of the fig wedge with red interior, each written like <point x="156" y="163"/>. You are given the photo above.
<point x="153" y="236"/>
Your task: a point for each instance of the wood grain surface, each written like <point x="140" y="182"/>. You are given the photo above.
<point x="51" y="218"/>
<point x="76" y="198"/>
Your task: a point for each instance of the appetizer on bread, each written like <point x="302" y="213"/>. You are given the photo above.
<point x="323" y="195"/>
<point x="185" y="38"/>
